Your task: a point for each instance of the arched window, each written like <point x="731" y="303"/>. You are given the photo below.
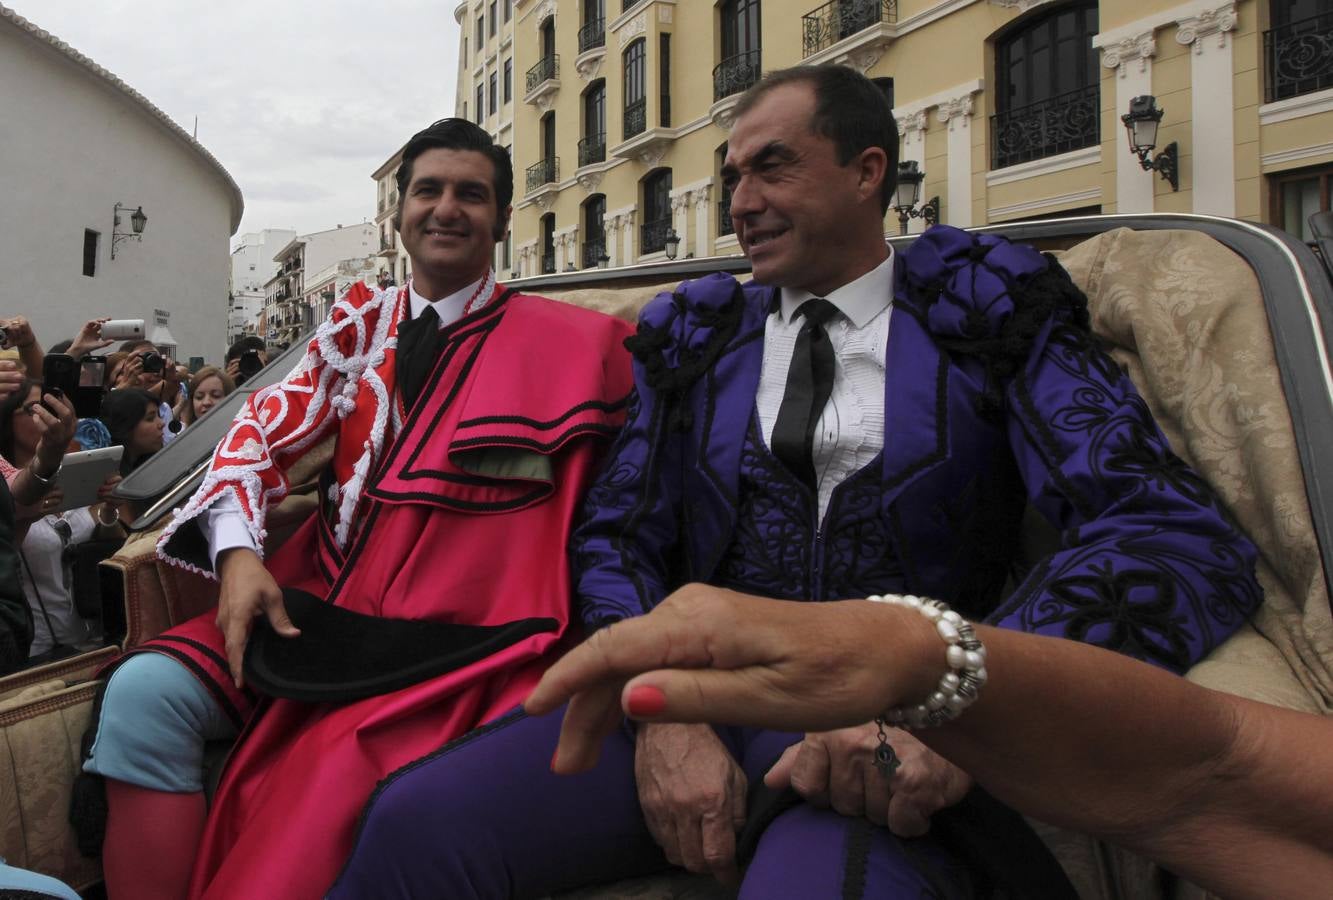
<point x="636" y="88"/>
<point x="592" y="146"/>
<point x="594" y="230"/>
<point x="1046" y="99"/>
<point x="656" y="211"/>
<point x="548" y="243"/>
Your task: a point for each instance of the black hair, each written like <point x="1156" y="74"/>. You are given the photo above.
<point x="61" y="346"/>
<point x="121" y="411"/>
<point x="459" y="134"/>
<point x="850" y="110"/>
<point x="249" y="342"/>
<point x="8" y="407"/>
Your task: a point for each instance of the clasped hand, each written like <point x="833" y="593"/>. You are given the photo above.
<point x="836" y="769"/>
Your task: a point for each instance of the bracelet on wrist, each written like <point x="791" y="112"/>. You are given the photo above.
<point x="964" y="654"/>
<point x="45" y="480"/>
<point x="115" y="515"/>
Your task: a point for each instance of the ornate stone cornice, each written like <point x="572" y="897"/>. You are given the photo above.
<point x="1217" y="21"/>
<point x="1142" y="47"/>
<point x="955" y="108"/>
<point x="912" y="121"/>
<point x="542" y="12"/>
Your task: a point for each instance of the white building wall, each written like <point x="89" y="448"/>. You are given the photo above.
<point x="252" y="266"/>
<point x="74" y="147"/>
<point x="324" y="248"/>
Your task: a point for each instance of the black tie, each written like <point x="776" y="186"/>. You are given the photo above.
<point x="419" y="344"/>
<point x="809" y="384"/>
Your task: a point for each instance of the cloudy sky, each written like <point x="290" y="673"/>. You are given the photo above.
<point x="299" y="99"/>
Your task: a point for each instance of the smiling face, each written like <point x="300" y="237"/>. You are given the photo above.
<point x="803" y="219"/>
<point x="207" y="394"/>
<point x="449" y="220"/>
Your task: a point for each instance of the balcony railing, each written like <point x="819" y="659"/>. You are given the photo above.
<point x="1298" y="58"/>
<point x="592" y="149"/>
<point x="840" y="19"/>
<point x="592" y="35"/>
<point x="593" y="251"/>
<point x="636" y="118"/>
<point x="543" y="172"/>
<point x="652" y="238"/>
<point x="547" y="67"/>
<point x="724" y="224"/>
<point x="1063" y="123"/>
<point x="735" y="74"/>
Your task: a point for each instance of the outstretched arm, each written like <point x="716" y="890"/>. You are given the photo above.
<point x="1232" y="794"/>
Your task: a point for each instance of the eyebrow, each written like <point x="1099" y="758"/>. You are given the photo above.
<point x="774" y="149"/>
<point x="438" y="183"/>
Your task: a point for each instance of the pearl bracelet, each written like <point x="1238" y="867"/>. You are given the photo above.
<point x="965" y="655"/>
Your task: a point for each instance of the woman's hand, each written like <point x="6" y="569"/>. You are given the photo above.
<point x="57" y="430"/>
<point x="89" y="338"/>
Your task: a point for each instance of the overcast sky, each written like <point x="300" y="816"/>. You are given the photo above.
<point x="300" y="100"/>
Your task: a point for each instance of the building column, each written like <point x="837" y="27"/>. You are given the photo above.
<point x="957" y="114"/>
<point x="1213" y="134"/>
<point x="1131" y="59"/>
<point x="912" y="126"/>
<point x="680" y="218"/>
<point x="631" y="248"/>
<point x="702" y="204"/>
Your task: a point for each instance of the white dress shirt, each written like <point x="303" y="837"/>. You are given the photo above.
<point x="850" y="432"/>
<point x="222" y="523"/>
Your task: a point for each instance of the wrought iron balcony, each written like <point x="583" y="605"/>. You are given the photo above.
<point x="542" y="172"/>
<point x="548" y="265"/>
<point x="636" y="118"/>
<point x="652" y="238"/>
<point x="840" y="19"/>
<point x="1063" y="123"/>
<point x="735" y="74"/>
<point x="1298" y="58"/>
<point x="592" y="149"/>
<point x="592" y="35"/>
<point x="724" y="223"/>
<point x="547" y="67"/>
<point x="593" y="251"/>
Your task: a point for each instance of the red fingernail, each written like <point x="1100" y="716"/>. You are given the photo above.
<point x="553" y="758"/>
<point x="646" y="700"/>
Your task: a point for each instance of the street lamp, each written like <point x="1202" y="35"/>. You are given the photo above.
<point x="137" y="222"/>
<point x="671" y="244"/>
<point x="1141" y="125"/>
<point x="908" y="193"/>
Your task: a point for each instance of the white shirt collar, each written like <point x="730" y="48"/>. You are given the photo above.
<point x="860" y="300"/>
<point x="450" y="308"/>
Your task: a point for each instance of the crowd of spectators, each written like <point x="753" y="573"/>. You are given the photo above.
<point x="146" y="399"/>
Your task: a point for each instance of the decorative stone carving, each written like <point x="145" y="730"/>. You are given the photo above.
<point x="912" y="122"/>
<point x="545" y="200"/>
<point x="544" y="101"/>
<point x="1021" y="5"/>
<point x="862" y="58"/>
<point x="632" y="29"/>
<point x="652" y="155"/>
<point x="1216" y="21"/>
<point x="955" y="109"/>
<point x="681" y="201"/>
<point x="589" y="181"/>
<point x="702" y="194"/>
<point x="1142" y="47"/>
<point x="542" y="13"/>
<point x="589" y="63"/>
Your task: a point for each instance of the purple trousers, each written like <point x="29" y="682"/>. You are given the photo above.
<point x="484" y="817"/>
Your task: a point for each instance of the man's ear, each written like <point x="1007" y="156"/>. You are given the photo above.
<point x="502" y="224"/>
<point x="873" y="166"/>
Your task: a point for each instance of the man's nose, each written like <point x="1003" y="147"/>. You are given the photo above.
<point x="746" y="198"/>
<point x="446" y="207"/>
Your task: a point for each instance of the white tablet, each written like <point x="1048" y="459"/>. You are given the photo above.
<point x="82" y="473"/>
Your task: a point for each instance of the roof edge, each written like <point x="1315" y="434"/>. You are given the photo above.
<point x="109" y="78"/>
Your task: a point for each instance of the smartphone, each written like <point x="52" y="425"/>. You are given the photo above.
<point x="88" y="395"/>
<point x="122" y="329"/>
<point x="60" y="376"/>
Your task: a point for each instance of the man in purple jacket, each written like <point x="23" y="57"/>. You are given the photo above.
<point x="852" y="422"/>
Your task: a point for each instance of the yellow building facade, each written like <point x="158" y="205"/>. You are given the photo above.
<point x="617" y="113"/>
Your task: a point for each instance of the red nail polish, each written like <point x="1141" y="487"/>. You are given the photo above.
<point x="646" y="700"/>
<point x="553" y="758"/>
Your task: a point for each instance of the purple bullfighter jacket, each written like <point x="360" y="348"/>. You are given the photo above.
<point x="997" y="397"/>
